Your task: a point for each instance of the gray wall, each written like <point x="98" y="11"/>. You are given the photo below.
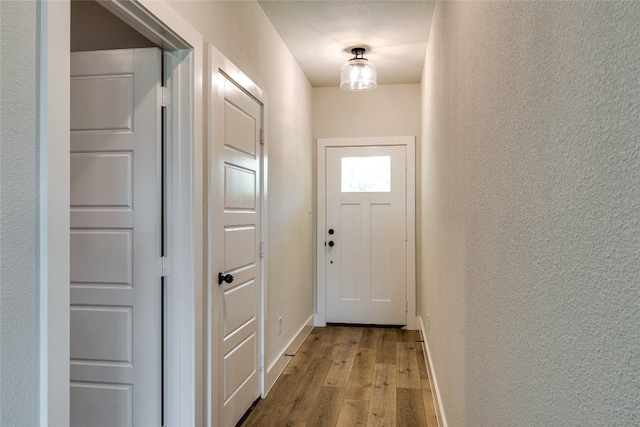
<point x="18" y="219"/>
<point x="95" y="28"/>
<point x="531" y="212"/>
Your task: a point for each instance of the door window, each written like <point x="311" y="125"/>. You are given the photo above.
<point x="370" y="174"/>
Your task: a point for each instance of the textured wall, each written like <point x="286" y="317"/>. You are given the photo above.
<point x="18" y="298"/>
<point x="242" y="32"/>
<point x="531" y="212"/>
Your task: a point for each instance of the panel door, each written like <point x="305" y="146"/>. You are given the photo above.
<point x="236" y="250"/>
<point x="366" y="249"/>
<point x="115" y="238"/>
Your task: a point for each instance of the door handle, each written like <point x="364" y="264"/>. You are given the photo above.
<point x="331" y="243"/>
<point x="224" y="278"/>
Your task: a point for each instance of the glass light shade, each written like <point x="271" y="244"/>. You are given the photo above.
<point x="358" y="74"/>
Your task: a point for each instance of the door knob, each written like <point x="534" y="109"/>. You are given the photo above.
<point x="331" y="231"/>
<point x="224" y="278"/>
<point x="331" y="243"/>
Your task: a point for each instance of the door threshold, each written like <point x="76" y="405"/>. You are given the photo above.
<point x="366" y="325"/>
<point x="246" y="414"/>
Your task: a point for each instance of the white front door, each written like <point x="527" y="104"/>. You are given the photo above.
<point x="366" y="235"/>
<point x="116" y="297"/>
<point x="235" y="249"/>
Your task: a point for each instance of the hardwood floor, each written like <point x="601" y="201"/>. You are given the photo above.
<point x="351" y="376"/>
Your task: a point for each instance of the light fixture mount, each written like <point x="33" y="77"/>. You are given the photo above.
<point x="358" y="52"/>
<point x="358" y="74"/>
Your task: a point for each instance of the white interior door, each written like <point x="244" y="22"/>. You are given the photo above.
<point x="366" y="235"/>
<point x="235" y="250"/>
<point x="116" y="306"/>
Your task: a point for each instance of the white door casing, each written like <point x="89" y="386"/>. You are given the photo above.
<point x="357" y="295"/>
<point x="366" y="234"/>
<point x="236" y="264"/>
<point x="184" y="363"/>
<point x="116" y="305"/>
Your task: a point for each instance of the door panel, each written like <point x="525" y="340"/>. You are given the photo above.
<point x="87" y="115"/>
<point x="102" y="257"/>
<point x="115" y="238"/>
<point x="240" y="297"/>
<point x="89" y="190"/>
<point x="240" y="188"/>
<point x="102" y="333"/>
<point x="381" y="256"/>
<point x="102" y="405"/>
<point x="366" y="265"/>
<point x="239" y="366"/>
<point x="235" y="240"/>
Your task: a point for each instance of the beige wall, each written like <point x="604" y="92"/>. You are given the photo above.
<point x="389" y="110"/>
<point x="242" y="32"/>
<point x="531" y="207"/>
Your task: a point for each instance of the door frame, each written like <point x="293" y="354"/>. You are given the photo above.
<point x="219" y="62"/>
<point x="409" y="142"/>
<point x="183" y="312"/>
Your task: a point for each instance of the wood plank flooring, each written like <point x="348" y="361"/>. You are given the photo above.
<point x="351" y="376"/>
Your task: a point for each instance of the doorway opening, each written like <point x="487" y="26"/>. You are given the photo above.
<point x="366" y="231"/>
<point x="183" y="64"/>
<point x="117" y="222"/>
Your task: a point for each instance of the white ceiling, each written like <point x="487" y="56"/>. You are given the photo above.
<point x="320" y="35"/>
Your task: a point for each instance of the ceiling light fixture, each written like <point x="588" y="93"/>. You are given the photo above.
<point x="358" y="73"/>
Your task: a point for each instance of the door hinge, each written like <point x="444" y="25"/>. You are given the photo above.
<point x="261" y="362"/>
<point x="261" y="249"/>
<point x="166" y="97"/>
<point x="166" y="266"/>
<point x="261" y="136"/>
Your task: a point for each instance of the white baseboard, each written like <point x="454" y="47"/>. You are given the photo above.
<point x="442" y="419"/>
<point x="276" y="368"/>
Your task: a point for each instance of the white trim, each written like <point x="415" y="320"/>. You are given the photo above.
<point x="411" y="235"/>
<point x="281" y="362"/>
<point x="178" y="231"/>
<point x="146" y="23"/>
<point x="182" y="299"/>
<point x="185" y="362"/>
<point x="433" y="381"/>
<point x="321" y="219"/>
<point x="218" y="62"/>
<point x="264" y="164"/>
<point x="322" y="143"/>
<point x="53" y="210"/>
<point x="183" y="296"/>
